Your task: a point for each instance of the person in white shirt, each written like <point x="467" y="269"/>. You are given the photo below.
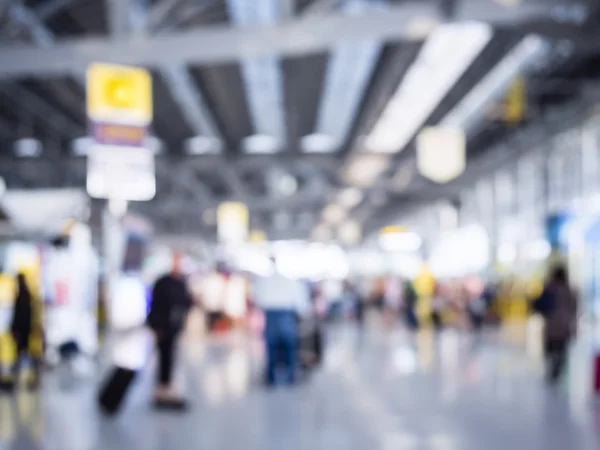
<point x="282" y="300"/>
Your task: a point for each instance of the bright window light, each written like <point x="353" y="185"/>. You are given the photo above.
<point x="400" y="242"/>
<point x="507" y="254"/>
<point x="203" y="145"/>
<point x="537" y="250"/>
<point x="28" y="148"/>
<point x="448" y="52"/>
<point x="261" y="144"/>
<point x="350" y="197"/>
<point x="318" y="143"/>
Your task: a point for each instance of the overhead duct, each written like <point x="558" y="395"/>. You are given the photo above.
<point x="262" y="77"/>
<point x="348" y="73"/>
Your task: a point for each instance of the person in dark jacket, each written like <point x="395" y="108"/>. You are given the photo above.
<point x="21" y="325"/>
<point x="170" y="305"/>
<point x="558" y="305"/>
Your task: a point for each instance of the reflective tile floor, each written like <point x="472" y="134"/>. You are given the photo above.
<point x="376" y="390"/>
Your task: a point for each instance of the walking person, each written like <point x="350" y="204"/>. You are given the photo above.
<point x="558" y="305"/>
<point x="21" y="326"/>
<point x="170" y="305"/>
<point x="282" y="300"/>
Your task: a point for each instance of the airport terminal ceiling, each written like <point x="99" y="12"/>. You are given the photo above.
<point x="274" y="102"/>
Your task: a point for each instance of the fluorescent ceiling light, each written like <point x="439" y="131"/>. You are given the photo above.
<point x="28" y="148"/>
<point x="203" y="145"/>
<point x="333" y="213"/>
<point x="363" y="169"/>
<point x="444" y="58"/>
<point x="318" y="143"/>
<point x="261" y="144"/>
<point x="496" y="82"/>
<point x="350" y="197"/>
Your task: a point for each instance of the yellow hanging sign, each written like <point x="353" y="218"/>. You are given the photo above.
<point x="119" y="94"/>
<point x="516" y="102"/>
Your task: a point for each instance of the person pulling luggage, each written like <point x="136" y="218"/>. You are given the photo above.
<point x="282" y="300"/>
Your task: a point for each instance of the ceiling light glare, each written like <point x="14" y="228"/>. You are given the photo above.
<point x="261" y="144"/>
<point x="350" y="232"/>
<point x="81" y="146"/>
<point x="334" y="213"/>
<point x="203" y="145"/>
<point x="400" y="242"/>
<point x="449" y="50"/>
<point x="321" y="233"/>
<point x="350" y="197"/>
<point x="287" y="185"/>
<point x="2" y="186"/>
<point x="363" y="170"/>
<point x="27" y="148"/>
<point x="318" y="143"/>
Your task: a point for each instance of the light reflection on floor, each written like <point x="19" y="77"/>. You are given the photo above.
<point x="380" y="390"/>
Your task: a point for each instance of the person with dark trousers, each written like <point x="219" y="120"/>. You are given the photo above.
<point x="168" y="311"/>
<point x="558" y="305"/>
<point x="21" y="326"/>
<point x="282" y="300"/>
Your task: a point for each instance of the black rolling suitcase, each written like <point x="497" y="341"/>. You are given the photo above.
<point x="115" y="389"/>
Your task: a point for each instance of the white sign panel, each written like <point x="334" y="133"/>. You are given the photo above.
<point x="125" y="173"/>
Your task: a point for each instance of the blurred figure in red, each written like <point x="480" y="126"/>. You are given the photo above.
<point x="170" y="305"/>
<point x="558" y="305"/>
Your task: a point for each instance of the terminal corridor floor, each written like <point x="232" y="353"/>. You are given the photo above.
<point x="376" y="390"/>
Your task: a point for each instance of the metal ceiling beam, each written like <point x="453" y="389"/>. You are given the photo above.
<point x="119" y="14"/>
<point x="195" y="110"/>
<point x="224" y="43"/>
<point x="318" y="7"/>
<point x="50" y="8"/>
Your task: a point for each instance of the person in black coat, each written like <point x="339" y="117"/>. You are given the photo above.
<point x="170" y="305"/>
<point x="21" y="322"/>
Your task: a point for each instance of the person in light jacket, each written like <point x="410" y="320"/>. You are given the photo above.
<point x="282" y="300"/>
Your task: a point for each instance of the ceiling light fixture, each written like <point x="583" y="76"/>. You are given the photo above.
<point x="333" y="214"/>
<point x="363" y="170"/>
<point x="28" y="148"/>
<point x="448" y="52"/>
<point x="350" y="197"/>
<point x="318" y="143"/>
<point x="81" y="146"/>
<point x="261" y="144"/>
<point x="203" y="145"/>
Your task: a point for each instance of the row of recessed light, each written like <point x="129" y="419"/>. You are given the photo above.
<point x="198" y="145"/>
